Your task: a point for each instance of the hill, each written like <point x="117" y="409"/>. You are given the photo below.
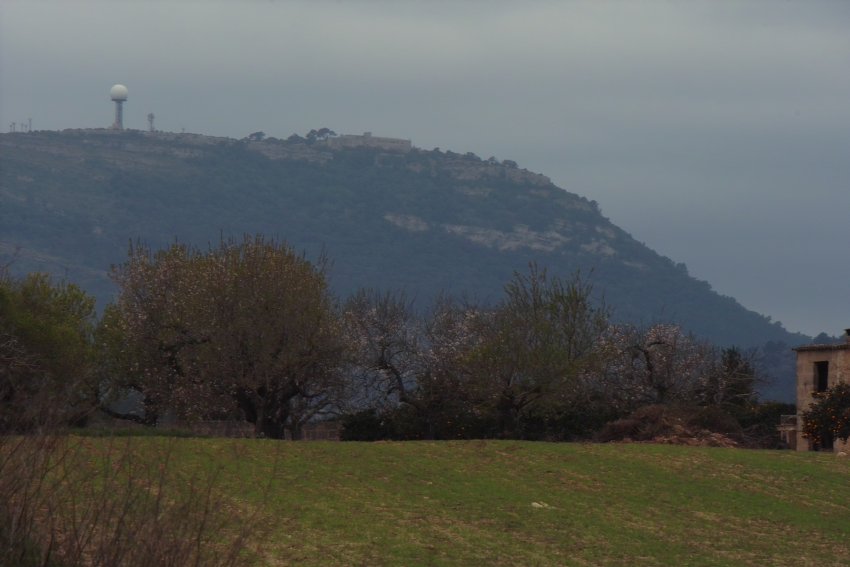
<point x="387" y="214"/>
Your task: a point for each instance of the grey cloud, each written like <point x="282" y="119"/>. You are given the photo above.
<point x="714" y="131"/>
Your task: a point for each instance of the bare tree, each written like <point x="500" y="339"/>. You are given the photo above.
<point x="421" y="362"/>
<point x="732" y="380"/>
<point x="386" y="339"/>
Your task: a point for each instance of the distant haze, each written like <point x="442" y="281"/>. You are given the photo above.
<point x="716" y="132"/>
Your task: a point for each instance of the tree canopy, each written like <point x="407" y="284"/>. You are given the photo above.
<point x="538" y="342"/>
<point x="246" y="329"/>
<point x="46" y="352"/>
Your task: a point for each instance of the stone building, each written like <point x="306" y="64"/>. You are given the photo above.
<point x="818" y="367"/>
<point x="367" y="140"/>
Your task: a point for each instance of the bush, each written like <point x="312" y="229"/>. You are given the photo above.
<point x="714" y="419"/>
<point x="364" y="425"/>
<point x="67" y="501"/>
<point x="576" y="421"/>
<point x="673" y="424"/>
<point x="828" y="417"/>
<point x="759" y="424"/>
<point x="643" y="424"/>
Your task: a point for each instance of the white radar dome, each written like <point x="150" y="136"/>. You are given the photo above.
<point x="118" y="92"/>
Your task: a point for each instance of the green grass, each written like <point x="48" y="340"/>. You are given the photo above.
<point x="518" y="503"/>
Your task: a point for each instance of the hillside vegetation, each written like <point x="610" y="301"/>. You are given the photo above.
<point x="519" y="503"/>
<point x="423" y="221"/>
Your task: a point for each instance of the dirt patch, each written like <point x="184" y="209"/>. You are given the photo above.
<point x="661" y="424"/>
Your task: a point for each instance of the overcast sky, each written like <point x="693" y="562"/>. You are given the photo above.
<point x="718" y="133"/>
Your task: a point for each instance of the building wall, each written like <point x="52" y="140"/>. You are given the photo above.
<point x="838" y="357"/>
<point x="367" y="140"/>
<point x="839" y="371"/>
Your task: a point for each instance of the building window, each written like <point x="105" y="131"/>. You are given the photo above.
<point x="822" y="376"/>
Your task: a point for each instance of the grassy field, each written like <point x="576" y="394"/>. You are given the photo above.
<point x="518" y="503"/>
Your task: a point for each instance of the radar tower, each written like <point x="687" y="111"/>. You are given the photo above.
<point x="118" y="94"/>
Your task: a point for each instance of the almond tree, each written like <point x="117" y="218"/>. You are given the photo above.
<point x="386" y="340"/>
<point x="731" y="383"/>
<point x="658" y="365"/>
<point x="537" y="344"/>
<point x="418" y="362"/>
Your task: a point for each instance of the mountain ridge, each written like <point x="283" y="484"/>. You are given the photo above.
<point x="388" y="214"/>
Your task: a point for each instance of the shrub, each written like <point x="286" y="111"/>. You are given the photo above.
<point x="759" y="424"/>
<point x="674" y="424"/>
<point x="364" y="425"/>
<point x="66" y="500"/>
<point x="641" y="425"/>
<point x="828" y="417"/>
<point x="713" y="418"/>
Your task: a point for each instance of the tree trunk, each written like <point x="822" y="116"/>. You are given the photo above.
<point x="507" y="412"/>
<point x="296" y="431"/>
<point x="271" y="428"/>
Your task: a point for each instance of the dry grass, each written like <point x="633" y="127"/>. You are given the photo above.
<point x="70" y="501"/>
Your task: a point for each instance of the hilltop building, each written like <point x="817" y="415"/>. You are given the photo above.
<point x="367" y="140"/>
<point x="819" y="367"/>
